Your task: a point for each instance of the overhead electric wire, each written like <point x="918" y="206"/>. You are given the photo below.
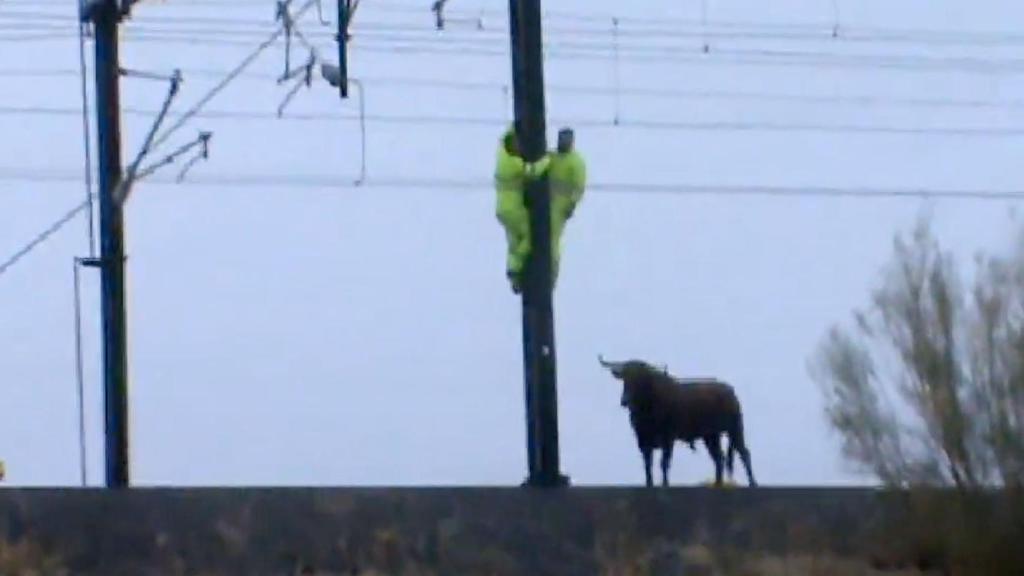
<point x="902" y="33"/>
<point x="42" y="237"/>
<point x="604" y="90"/>
<point x="371" y="40"/>
<point x="660" y="31"/>
<point x="809" y="30"/>
<point x="21" y="38"/>
<point x="334" y="183"/>
<point x="627" y="19"/>
<point x="499" y="36"/>
<point x="824" y="35"/>
<point x="583" y="50"/>
<point x="35" y="26"/>
<point x="653" y="54"/>
<point x="32" y="15"/>
<point x="86" y="134"/>
<point x="196" y="108"/>
<point x="836" y="17"/>
<point x="627" y="123"/>
<point x="182" y="119"/>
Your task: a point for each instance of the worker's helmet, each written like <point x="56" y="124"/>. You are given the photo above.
<point x="511" y="143"/>
<point x="565" y="140"/>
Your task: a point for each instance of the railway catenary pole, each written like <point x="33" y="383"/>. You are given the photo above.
<point x="541" y="383"/>
<point x="105" y="16"/>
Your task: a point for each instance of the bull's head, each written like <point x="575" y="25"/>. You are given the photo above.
<point x="633" y="374"/>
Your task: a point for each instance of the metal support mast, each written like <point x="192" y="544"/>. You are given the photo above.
<point x="345" y="9"/>
<point x="106" y="15"/>
<point x="538" y="322"/>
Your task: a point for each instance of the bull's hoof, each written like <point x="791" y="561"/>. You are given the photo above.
<point x="723" y="484"/>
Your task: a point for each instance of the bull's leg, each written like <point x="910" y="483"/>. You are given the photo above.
<point x="730" y="454"/>
<point x="714" y="446"/>
<point x="648" y="453"/>
<point x="737" y="439"/>
<point x="666" y="459"/>
<point x="745" y="456"/>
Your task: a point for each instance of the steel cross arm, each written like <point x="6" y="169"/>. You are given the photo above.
<point x="124" y="188"/>
<point x="202" y="140"/>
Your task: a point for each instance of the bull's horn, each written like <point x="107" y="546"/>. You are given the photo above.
<point x="613" y="366"/>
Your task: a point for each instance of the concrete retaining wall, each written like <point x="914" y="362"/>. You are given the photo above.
<point x="449" y="532"/>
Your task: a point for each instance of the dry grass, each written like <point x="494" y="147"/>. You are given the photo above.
<point x="705" y="561"/>
<point x="24" y="558"/>
<point x="819" y="566"/>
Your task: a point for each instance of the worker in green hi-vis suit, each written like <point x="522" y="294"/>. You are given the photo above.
<point x="510" y="183"/>
<point x="567" y="178"/>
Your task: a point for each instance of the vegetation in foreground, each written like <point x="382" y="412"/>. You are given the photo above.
<point x="926" y="391"/>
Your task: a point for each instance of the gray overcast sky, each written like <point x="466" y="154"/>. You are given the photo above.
<point x="331" y="335"/>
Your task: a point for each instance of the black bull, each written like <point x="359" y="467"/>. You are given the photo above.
<point x="663" y="409"/>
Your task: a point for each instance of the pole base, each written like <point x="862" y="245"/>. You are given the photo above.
<point x="560" y="481"/>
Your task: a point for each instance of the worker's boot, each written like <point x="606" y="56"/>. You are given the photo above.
<point x="513" y="278"/>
